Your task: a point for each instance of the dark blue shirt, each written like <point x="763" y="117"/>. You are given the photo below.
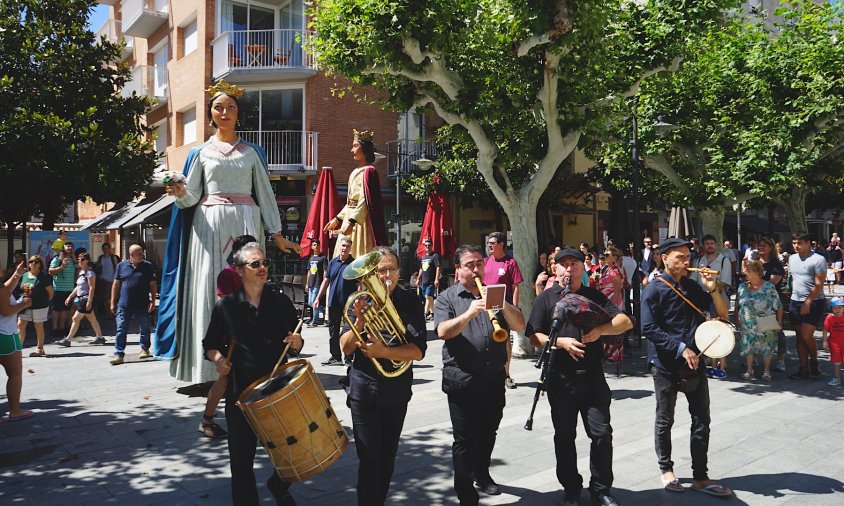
<point x="134" y="284"/>
<point x="338" y="288"/>
<point x="668" y="322"/>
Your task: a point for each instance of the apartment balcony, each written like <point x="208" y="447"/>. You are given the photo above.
<point x="148" y="81"/>
<point x="289" y="152"/>
<point x="141" y="18"/>
<point x="253" y="56"/>
<point x="112" y="31"/>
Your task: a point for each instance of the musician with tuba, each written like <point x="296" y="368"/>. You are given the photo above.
<point x="385" y="331"/>
<point x="473" y="372"/>
<point x="575" y="380"/>
<point x="669" y="321"/>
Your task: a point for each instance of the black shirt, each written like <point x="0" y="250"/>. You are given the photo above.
<point x="669" y="322"/>
<point x="773" y="268"/>
<point x="316" y="269"/>
<point x="259" y="334"/>
<point x="429" y="268"/>
<point x="366" y="384"/>
<point x="540" y="321"/>
<point x="471" y="355"/>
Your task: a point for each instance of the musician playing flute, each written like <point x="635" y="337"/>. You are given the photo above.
<point x="669" y="322"/>
<point x="379" y="403"/>
<point x="576" y="383"/>
<point x="473" y="373"/>
<point x="261" y="323"/>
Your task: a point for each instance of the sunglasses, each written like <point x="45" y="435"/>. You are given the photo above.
<point x="257" y="263"/>
<point x="33" y="262"/>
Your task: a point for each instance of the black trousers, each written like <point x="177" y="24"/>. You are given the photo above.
<point x="475" y="415"/>
<point x="335" y="323"/>
<point x="665" y="390"/>
<point x="377" y="431"/>
<point x="589" y="395"/>
<point x="242" y="441"/>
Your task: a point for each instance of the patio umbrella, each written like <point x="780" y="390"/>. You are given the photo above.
<point x="325" y="206"/>
<point x="438" y="227"/>
<point x="678" y="223"/>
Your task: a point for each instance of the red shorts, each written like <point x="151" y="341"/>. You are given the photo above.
<point x="836" y="352"/>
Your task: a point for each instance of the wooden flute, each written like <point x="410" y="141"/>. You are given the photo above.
<point x="703" y="271"/>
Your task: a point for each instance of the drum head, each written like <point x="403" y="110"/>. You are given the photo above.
<point x="283" y="378"/>
<point x="715" y="338"/>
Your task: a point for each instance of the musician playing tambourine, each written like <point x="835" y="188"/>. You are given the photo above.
<point x="473" y="372"/>
<point x="261" y="322"/>
<point x="378" y="403"/>
<point x="669" y="321"/>
<point x="575" y="381"/>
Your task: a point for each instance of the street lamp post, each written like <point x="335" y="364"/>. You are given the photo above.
<point x="424" y="164"/>
<point x="634" y="166"/>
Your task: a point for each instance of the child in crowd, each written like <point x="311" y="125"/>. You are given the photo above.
<point x="830" y="277"/>
<point x="833" y="338"/>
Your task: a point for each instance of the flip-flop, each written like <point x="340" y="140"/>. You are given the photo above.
<point x="714" y="489"/>
<point x="29" y="414"/>
<point x="673" y="485"/>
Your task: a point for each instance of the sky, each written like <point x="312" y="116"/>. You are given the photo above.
<point x="98" y="16"/>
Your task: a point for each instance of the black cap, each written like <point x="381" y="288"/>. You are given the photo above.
<point x="568" y="252"/>
<point x="672" y="243"/>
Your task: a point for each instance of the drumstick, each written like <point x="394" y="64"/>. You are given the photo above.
<point x="231" y="350"/>
<point x="284" y="353"/>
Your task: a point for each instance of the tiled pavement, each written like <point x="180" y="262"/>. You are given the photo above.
<point x="128" y="435"/>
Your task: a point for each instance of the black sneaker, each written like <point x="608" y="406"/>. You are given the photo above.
<point x="571" y="498"/>
<point x="488" y="487"/>
<point x="799" y="375"/>
<point x="816" y="370"/>
<point x="333" y="361"/>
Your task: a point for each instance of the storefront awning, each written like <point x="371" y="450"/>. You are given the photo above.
<point x="98" y="221"/>
<point x="151" y="211"/>
<point x="127" y="216"/>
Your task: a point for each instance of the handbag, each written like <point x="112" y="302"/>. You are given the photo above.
<point x="687" y="379"/>
<point x="767" y="323"/>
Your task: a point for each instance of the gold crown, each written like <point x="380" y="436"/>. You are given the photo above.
<point x="222" y="86"/>
<point x="364" y="135"/>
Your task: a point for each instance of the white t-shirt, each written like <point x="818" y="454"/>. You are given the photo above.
<point x="629" y="265"/>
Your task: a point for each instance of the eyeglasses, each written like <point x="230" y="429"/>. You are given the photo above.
<point x="387" y="270"/>
<point x="492" y="243"/>
<point x="472" y="265"/>
<point x="257" y="263"/>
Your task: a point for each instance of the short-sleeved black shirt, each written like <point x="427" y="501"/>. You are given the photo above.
<point x="429" y="268"/>
<point x="366" y="384"/>
<point x="316" y="268"/>
<point x="472" y="355"/>
<point x="669" y="322"/>
<point x="259" y="334"/>
<point x="540" y="321"/>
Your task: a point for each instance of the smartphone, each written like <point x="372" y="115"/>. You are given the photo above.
<point x="495" y="296"/>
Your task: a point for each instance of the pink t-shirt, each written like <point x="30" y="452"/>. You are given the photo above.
<point x="502" y="272"/>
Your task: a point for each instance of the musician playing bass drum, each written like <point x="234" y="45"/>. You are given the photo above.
<point x="576" y="383"/>
<point x="669" y="322"/>
<point x="262" y="323"/>
<point x="473" y="373"/>
<point x="379" y="403"/>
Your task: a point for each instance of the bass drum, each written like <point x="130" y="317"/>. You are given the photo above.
<point x="294" y="420"/>
<point x="715" y="338"/>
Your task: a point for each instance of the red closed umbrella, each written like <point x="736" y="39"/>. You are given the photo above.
<point x="438" y="227"/>
<point x="325" y="206"/>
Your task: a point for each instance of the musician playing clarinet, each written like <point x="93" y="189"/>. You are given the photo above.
<point x="669" y="322"/>
<point x="575" y="381"/>
<point x="473" y="373"/>
<point x="261" y="322"/>
<point x="379" y="403"/>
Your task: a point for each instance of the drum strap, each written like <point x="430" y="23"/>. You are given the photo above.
<point x="683" y="297"/>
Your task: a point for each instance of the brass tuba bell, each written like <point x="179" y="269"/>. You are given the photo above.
<point x="382" y="319"/>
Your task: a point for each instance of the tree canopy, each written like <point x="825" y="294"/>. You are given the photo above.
<point x="520" y="80"/>
<point x="66" y="133"/>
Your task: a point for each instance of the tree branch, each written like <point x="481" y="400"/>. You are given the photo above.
<point x="563" y="24"/>
<point x="674" y="66"/>
<point x="660" y="164"/>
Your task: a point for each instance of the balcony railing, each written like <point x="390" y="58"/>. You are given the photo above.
<point x="141" y="18"/>
<point x="113" y="33"/>
<point x="401" y="153"/>
<point x="148" y="81"/>
<point x="287" y="150"/>
<point x="261" y="50"/>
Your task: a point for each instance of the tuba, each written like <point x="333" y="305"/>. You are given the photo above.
<point x="380" y="313"/>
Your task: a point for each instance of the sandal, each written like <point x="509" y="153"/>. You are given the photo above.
<point x="748" y="375"/>
<point x="766" y="376"/>
<point x="210" y="429"/>
<point x="38" y="353"/>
